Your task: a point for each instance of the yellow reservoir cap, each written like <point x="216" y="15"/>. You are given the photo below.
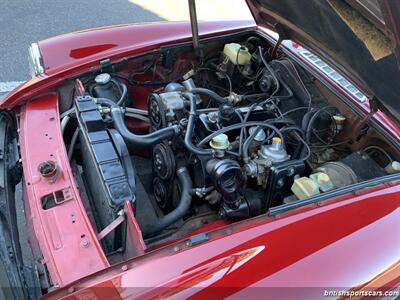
<point x="304" y="188"/>
<point x="276" y="139"/>
<point x="323" y="178"/>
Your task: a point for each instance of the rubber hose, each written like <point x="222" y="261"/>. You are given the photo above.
<point x="190" y="127"/>
<point x="141" y="140"/>
<point x="184" y="204"/>
<point x="209" y="93"/>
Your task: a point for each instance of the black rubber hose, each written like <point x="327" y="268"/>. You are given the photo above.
<point x="142" y="140"/>
<point x="184" y="204"/>
<point x="246" y="144"/>
<point x="106" y="102"/>
<point x="307" y="148"/>
<point x="239" y="126"/>
<point x="190" y="127"/>
<point x="271" y="71"/>
<point x="301" y="146"/>
<point x="209" y="93"/>
<point x="306" y="119"/>
<point x="313" y="118"/>
<point x="293" y="128"/>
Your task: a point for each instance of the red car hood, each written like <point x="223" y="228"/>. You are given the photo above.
<point x="360" y="37"/>
<point x="72" y="54"/>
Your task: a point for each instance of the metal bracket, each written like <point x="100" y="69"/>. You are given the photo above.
<point x="373" y="106"/>
<point x="363" y="127"/>
<point x="105" y="63"/>
<point x="111" y="227"/>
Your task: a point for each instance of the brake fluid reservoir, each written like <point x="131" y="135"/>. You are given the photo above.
<point x="237" y="53"/>
<point x="304" y="187"/>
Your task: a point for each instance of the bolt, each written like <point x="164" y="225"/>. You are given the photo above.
<point x="291" y="171"/>
<point x="280" y="183"/>
<point x="183" y="122"/>
<point x="10" y="252"/>
<point x="85" y="243"/>
<point x="124" y="268"/>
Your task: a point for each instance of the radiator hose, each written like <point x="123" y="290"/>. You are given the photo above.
<point x="141" y="140"/>
<point x="190" y="128"/>
<point x="184" y="203"/>
<point x="209" y="93"/>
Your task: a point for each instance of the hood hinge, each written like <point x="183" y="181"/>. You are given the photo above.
<point x="282" y="35"/>
<point x="363" y="127"/>
<point x="373" y="106"/>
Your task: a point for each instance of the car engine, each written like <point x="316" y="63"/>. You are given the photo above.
<point x="230" y="137"/>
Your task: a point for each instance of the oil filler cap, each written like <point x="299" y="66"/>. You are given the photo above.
<point x="220" y="142"/>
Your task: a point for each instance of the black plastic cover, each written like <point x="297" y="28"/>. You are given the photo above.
<point x="280" y="180"/>
<point x="101" y="162"/>
<point x="363" y="166"/>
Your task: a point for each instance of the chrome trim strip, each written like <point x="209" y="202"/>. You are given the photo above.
<point x="36" y="60"/>
<point x="333" y="75"/>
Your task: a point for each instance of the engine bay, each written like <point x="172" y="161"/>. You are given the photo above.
<point x="226" y="136"/>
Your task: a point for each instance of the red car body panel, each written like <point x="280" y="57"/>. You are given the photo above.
<point x="64" y="233"/>
<point x="340" y="244"/>
<point x="72" y="54"/>
<point x="350" y="242"/>
<point x="67" y="51"/>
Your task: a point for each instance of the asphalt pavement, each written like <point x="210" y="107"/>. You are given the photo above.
<point x="23" y="22"/>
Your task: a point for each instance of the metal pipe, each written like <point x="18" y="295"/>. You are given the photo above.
<point x="73" y="142"/>
<point x="64" y="123"/>
<point x="195" y="27"/>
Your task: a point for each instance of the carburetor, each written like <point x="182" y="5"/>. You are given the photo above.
<point x="266" y="156"/>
